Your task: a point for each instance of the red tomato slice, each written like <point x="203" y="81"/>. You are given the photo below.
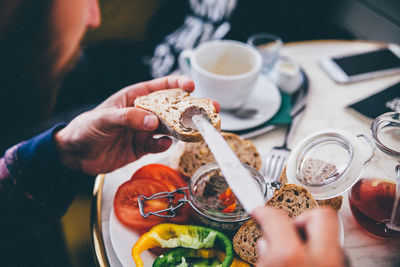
<point x="148" y="180"/>
<point x="173" y="179"/>
<point x="126" y="206"/>
<point x="162" y="173"/>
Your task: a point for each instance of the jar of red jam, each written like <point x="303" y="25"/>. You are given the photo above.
<point x="331" y="162"/>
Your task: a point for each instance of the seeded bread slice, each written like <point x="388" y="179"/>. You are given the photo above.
<point x="335" y="203"/>
<point x="173" y="107"/>
<point x="292" y="199"/>
<point x="245" y="240"/>
<point x="195" y="155"/>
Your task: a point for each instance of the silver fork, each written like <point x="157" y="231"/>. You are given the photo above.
<point x="276" y="158"/>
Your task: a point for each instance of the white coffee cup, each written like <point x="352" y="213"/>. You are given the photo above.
<point x="223" y="70"/>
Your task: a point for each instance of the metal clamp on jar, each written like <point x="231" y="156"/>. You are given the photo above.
<point x="330" y="162"/>
<point x="204" y="191"/>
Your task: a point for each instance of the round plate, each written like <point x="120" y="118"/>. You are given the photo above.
<point x="122" y="240"/>
<point x="265" y="98"/>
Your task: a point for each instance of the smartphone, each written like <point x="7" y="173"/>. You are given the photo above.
<point x="357" y="67"/>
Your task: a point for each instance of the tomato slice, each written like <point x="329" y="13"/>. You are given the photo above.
<point x="162" y="173"/>
<point x="126" y="205"/>
<point x="148" y="180"/>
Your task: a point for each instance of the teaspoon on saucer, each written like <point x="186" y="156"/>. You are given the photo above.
<point x="244" y="113"/>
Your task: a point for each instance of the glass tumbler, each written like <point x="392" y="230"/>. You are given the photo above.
<point x="269" y="46"/>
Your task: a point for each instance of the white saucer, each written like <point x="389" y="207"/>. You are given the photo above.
<point x="265" y="98"/>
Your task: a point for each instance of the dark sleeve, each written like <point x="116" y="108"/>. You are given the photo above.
<point x="35" y="189"/>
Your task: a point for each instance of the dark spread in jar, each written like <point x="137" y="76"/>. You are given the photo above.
<point x="209" y="192"/>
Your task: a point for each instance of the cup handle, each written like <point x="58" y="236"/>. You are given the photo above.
<point x="184" y="61"/>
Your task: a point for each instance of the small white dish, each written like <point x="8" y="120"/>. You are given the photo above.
<point x="265" y="98"/>
<point x="287" y="75"/>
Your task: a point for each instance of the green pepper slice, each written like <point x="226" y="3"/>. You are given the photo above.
<point x="180" y="257"/>
<point x="188" y="236"/>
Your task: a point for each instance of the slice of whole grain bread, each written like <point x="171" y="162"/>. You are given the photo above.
<point x="292" y="199"/>
<point x="335" y="202"/>
<point x="195" y="155"/>
<point x="245" y="240"/>
<point x="174" y="107"/>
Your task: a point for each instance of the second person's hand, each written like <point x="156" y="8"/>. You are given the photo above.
<point x="310" y="240"/>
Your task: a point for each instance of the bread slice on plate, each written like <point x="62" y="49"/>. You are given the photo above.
<point x="174" y="108"/>
<point x="334" y="203"/>
<point x="245" y="240"/>
<point x="195" y="155"/>
<point x="292" y="199"/>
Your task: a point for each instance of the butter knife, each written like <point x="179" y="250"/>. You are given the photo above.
<point x="239" y="179"/>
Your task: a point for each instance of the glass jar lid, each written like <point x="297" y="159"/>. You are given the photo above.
<point x="328" y="163"/>
<point x="386" y="133"/>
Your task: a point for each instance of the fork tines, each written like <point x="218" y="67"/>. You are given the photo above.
<point x="274" y="163"/>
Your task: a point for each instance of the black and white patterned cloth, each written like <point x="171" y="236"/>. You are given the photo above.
<point x="208" y="21"/>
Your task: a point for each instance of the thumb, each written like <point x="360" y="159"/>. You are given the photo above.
<point x="133" y="118"/>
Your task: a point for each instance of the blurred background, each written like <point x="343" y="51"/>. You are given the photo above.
<point x="117" y="54"/>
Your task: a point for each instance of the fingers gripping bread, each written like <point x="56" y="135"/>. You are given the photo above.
<point x="292" y="199"/>
<point x="195" y="155"/>
<point x="171" y="108"/>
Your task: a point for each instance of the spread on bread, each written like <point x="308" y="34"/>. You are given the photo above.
<point x="174" y="108"/>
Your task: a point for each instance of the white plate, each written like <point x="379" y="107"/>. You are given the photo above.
<point x="123" y="239"/>
<point x="265" y="98"/>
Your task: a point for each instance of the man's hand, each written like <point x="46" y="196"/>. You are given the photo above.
<point x="115" y="132"/>
<point x="310" y="240"/>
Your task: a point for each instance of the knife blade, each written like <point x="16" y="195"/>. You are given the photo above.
<point x="239" y="179"/>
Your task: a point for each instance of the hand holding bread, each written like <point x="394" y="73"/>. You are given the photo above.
<point x="115" y="132"/>
<point x="175" y="108"/>
<point x="292" y="201"/>
<point x="311" y="239"/>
